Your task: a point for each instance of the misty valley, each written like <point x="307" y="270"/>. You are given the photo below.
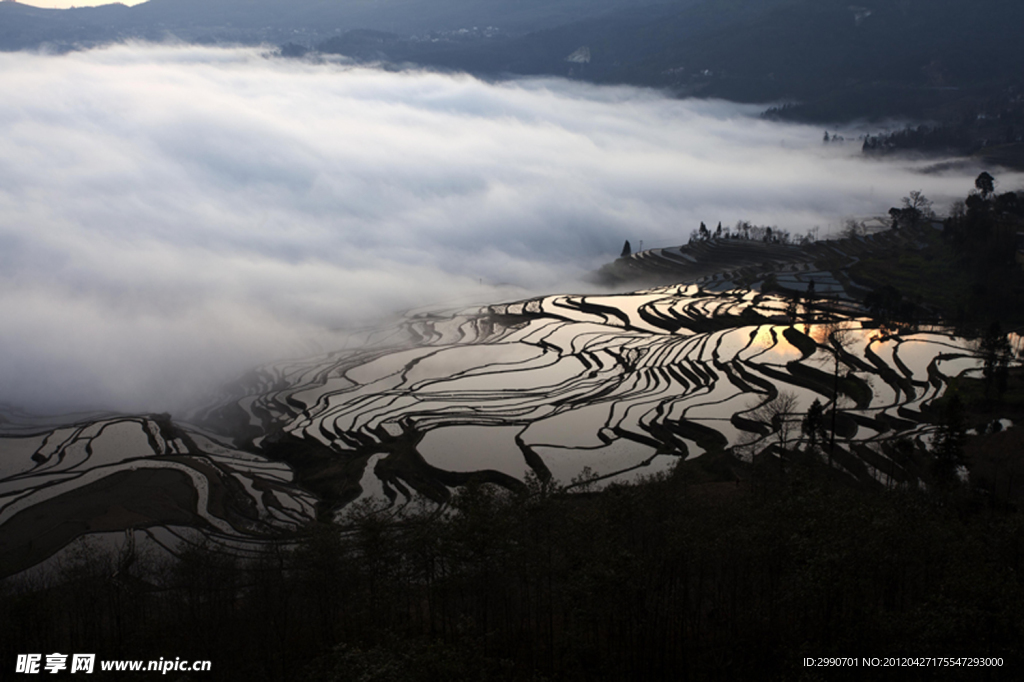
<point x="359" y="346"/>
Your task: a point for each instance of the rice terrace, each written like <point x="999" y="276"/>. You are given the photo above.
<point x="583" y="390"/>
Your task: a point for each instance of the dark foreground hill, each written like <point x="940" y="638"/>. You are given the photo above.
<point x="680" y="577"/>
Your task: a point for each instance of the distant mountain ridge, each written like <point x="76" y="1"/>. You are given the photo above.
<point x="253" y="21"/>
<point x="925" y="59"/>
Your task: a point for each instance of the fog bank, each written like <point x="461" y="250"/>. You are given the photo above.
<point x="171" y="215"/>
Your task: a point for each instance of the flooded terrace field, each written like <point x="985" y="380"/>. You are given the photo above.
<point x="586" y="390"/>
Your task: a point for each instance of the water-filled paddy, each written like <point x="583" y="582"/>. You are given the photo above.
<point x="607" y="387"/>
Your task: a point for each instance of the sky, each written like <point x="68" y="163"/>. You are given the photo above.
<point x="172" y="215"/>
<point x="64" y="4"/>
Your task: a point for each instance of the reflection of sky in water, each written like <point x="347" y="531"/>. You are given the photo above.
<point x="714" y="404"/>
<point x="569" y="380"/>
<point x="777" y="350"/>
<point x="16" y="454"/>
<point x="578" y="427"/>
<point x="472" y="448"/>
<point x="953" y="367"/>
<point x="556" y="371"/>
<point x="883" y="349"/>
<point x="731" y="342"/>
<point x="884" y="394"/>
<point x="916" y="356"/>
<point x="566" y="463"/>
<point x="392" y="363"/>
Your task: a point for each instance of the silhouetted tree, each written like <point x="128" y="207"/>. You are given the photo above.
<point x="895" y="215"/>
<point x="777" y="414"/>
<point x="853" y="228"/>
<point x="916" y="208"/>
<point x="996" y="353"/>
<point x="793" y="309"/>
<point x="886" y="304"/>
<point x="813" y="425"/>
<point x="948" y="449"/>
<point x="627" y="250"/>
<point x="838" y="337"/>
<point x="985" y="184"/>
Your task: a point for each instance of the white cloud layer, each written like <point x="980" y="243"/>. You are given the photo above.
<point x="170" y="215"/>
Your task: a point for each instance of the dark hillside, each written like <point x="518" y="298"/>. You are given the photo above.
<point x="682" y="577"/>
<point x="942" y="60"/>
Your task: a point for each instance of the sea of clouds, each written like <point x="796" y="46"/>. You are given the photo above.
<point x="171" y="215"/>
